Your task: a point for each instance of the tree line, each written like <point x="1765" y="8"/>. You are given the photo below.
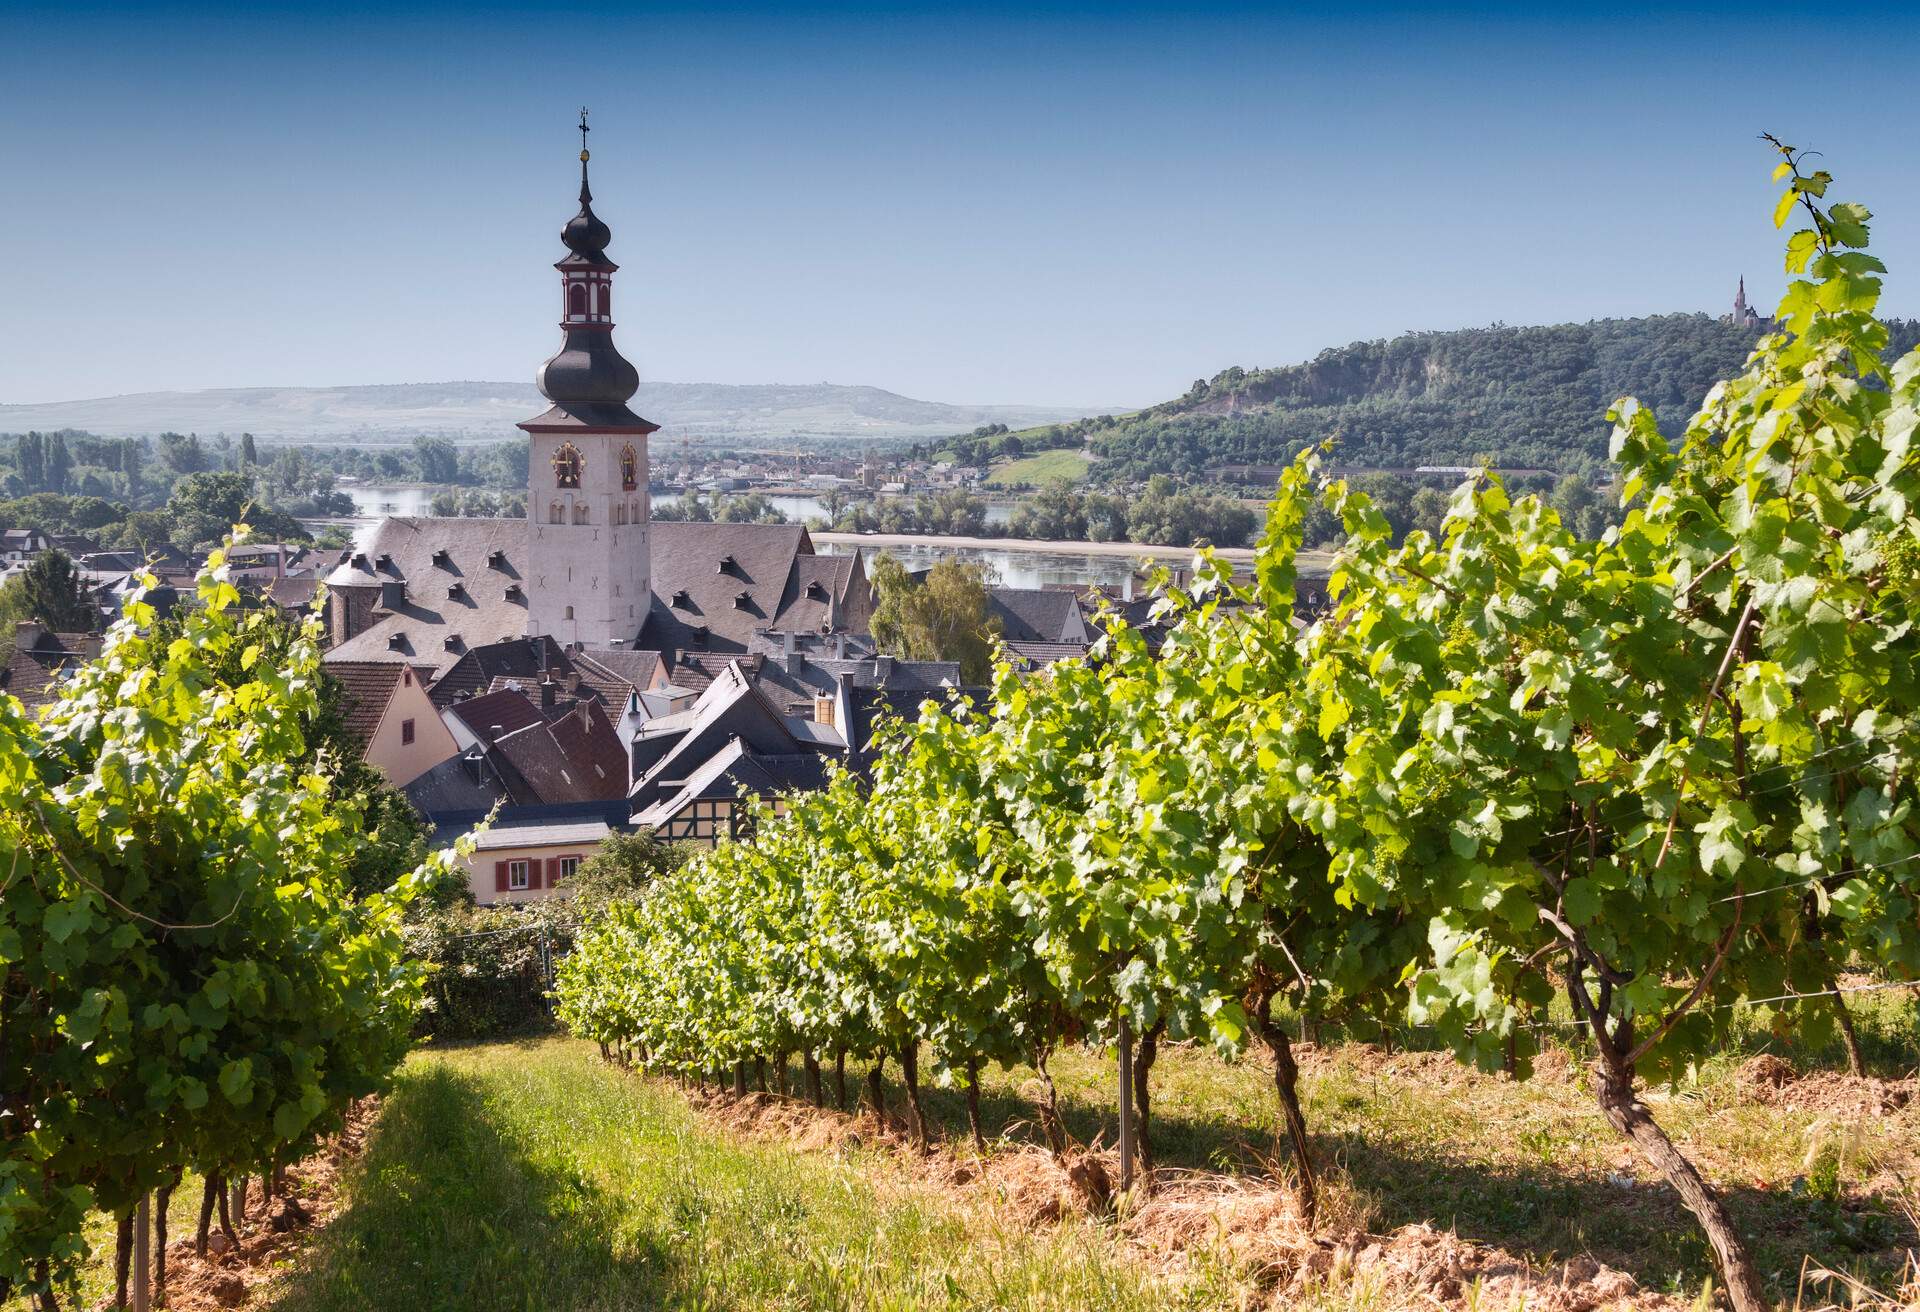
<point x="1518" y="780"/>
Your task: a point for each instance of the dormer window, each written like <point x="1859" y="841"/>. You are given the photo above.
<point x="451" y="642"/>
<point x="699" y="635"/>
<point x="396" y="642"/>
<point x="681" y="597"/>
<point x="817" y="589"/>
<point x="513" y="592"/>
<point x="496" y="559"/>
<point x="728" y="564"/>
<point x="457" y="592"/>
<point x="385" y="561"/>
<point x="443" y="558"/>
<point x="741" y="600"/>
<point x="567" y="465"/>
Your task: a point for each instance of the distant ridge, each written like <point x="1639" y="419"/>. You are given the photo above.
<point x="476" y="410"/>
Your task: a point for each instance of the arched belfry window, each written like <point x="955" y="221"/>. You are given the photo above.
<point x="567" y="465"/>
<point x="576" y="300"/>
<point x="606" y="299"/>
<point x="629" y="468"/>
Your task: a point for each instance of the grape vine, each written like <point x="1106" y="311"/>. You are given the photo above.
<point x="1657" y="773"/>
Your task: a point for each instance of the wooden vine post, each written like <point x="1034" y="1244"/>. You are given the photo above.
<point x="142" y="1256"/>
<point x="1126" y="1105"/>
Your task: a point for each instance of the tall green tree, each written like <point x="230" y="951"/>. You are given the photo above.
<point x="53" y="593"/>
<point x="942" y="617"/>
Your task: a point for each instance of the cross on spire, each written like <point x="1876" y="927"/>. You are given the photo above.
<point x="584" y="129"/>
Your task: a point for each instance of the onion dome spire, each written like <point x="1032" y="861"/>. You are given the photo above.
<point x="585" y="235"/>
<point x="588" y="380"/>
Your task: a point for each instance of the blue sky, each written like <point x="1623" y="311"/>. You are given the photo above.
<point x="1082" y="205"/>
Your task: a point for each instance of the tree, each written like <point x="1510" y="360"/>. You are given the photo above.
<point x="439" y="459"/>
<point x="249" y="454"/>
<point x="53" y="593"/>
<point x="205" y="507"/>
<point x="182" y="455"/>
<point x="943" y="617"/>
<point x="622" y="867"/>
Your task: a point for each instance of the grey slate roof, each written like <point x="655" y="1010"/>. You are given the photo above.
<point x="731" y="579"/>
<point x="1037" y="614"/>
<point x="485" y="557"/>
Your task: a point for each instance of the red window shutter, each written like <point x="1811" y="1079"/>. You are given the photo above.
<point x="553" y="872"/>
<point x="533" y="872"/>
<point x="499" y="876"/>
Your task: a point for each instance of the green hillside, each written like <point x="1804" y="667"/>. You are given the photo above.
<point x="1530" y="397"/>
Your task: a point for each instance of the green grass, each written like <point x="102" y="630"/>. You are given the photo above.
<point x="1038" y="470"/>
<point x="530" y="1175"/>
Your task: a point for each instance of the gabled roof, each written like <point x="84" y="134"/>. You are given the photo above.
<point x="426" y="555"/>
<point x="477" y="668"/>
<point x="1036" y="614"/>
<point x="819" y="589"/>
<point x="497" y="714"/>
<point x="575" y="759"/>
<point x="366" y="688"/>
<point x="1036" y="654"/>
<point x="734" y="770"/>
<point x="716" y="585"/>
<point x="42" y="659"/>
<point x="672" y="747"/>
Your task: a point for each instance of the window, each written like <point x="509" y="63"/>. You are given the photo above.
<point x="566" y="866"/>
<point x="581" y="513"/>
<point x="569" y="612"/>
<point x="555" y="515"/>
<point x="516" y="875"/>
<point x="606" y="299"/>
<point x="576" y="300"/>
<point x="406" y="732"/>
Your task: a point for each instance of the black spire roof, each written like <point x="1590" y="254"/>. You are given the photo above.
<point x="588" y="380"/>
<point x="585" y="235"/>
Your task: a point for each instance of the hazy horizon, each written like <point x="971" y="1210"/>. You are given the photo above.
<point x="1076" y="207"/>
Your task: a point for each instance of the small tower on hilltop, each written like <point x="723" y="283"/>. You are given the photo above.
<point x="1743" y="315"/>
<point x="591" y="573"/>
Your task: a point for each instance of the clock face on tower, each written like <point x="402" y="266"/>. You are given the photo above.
<point x="567" y="465"/>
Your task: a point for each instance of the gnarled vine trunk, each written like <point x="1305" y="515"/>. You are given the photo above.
<point x="1286" y="1081"/>
<point x="973" y="1105"/>
<point x="1049" y="1107"/>
<point x="122" y="1258"/>
<point x="877" y="1090"/>
<point x="1143" y="1059"/>
<point x="161" y="1198"/>
<point x="209" y="1191"/>
<point x="910" y="1078"/>
<point x="810" y="1064"/>
<point x="840" y="1078"/>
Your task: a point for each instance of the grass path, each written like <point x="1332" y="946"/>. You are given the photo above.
<point x="531" y="1176"/>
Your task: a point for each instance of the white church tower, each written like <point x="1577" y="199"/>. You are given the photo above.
<point x="590" y="576"/>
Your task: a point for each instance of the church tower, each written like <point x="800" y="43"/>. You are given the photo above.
<point x="591" y="579"/>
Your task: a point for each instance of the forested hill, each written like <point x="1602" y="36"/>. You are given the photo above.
<point x="1529" y="397"/>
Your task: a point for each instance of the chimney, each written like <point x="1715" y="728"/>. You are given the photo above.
<point x="882" y="668"/>
<point x="839" y="646"/>
<point x="790" y="649"/>
<point x="547" y="690"/>
<point x="823" y="709"/>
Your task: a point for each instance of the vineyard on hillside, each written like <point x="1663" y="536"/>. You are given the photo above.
<point x="1515" y="782"/>
<point x="187" y="984"/>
